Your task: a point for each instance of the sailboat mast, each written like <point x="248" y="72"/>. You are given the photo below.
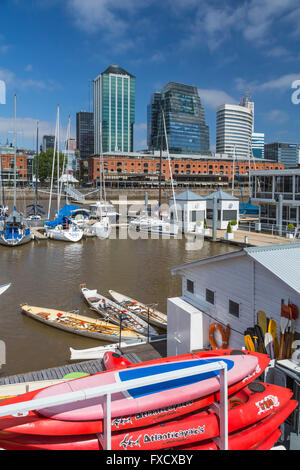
<point x="15" y="155"/>
<point x="170" y="168"/>
<point x="36" y="170"/>
<point x="58" y="185"/>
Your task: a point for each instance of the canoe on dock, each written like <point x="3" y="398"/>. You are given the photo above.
<point x="156" y="318"/>
<point x="114" y="312"/>
<point x="80" y="324"/>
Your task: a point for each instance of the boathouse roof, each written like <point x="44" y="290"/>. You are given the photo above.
<point x="282" y="260"/>
<point x="221" y="195"/>
<point x="188" y="195"/>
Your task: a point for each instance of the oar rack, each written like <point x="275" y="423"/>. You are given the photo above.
<point x="107" y="390"/>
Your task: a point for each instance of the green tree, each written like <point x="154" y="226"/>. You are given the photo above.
<point x="45" y="165"/>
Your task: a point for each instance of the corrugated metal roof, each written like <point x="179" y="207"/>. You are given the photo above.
<point x="282" y="260"/>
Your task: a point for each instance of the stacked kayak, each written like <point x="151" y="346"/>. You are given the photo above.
<point x="176" y="413"/>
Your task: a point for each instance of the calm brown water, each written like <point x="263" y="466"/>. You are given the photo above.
<point x="48" y="274"/>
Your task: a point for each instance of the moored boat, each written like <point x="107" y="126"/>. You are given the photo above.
<point x="114" y="312"/>
<point x="79" y="324"/>
<point x="4" y="288"/>
<point x="155" y="317"/>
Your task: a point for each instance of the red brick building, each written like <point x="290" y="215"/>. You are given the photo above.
<point x="7" y="167"/>
<point x="149" y="164"/>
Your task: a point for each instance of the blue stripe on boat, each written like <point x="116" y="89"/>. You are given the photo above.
<point x="141" y="372"/>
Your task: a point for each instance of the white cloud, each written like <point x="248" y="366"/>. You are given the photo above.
<point x="12" y="80"/>
<point x="214" y="98"/>
<point x="277" y="116"/>
<point x="26" y="129"/>
<point x="282" y="83"/>
<point x="254" y="20"/>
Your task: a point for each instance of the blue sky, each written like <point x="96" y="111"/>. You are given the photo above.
<point x="51" y="49"/>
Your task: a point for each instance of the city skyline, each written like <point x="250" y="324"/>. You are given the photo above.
<point x="238" y="52"/>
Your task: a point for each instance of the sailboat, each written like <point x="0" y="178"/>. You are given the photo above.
<point x="101" y="227"/>
<point x="35" y="210"/>
<point x="14" y="230"/>
<point x="62" y="228"/>
<point x="155" y="224"/>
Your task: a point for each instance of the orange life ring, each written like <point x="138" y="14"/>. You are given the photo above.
<point x="224" y="334"/>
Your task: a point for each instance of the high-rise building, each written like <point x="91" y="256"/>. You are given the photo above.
<point x="114" y="110"/>
<point x="283" y="152"/>
<point x="258" y="145"/>
<point x="85" y="133"/>
<point x="48" y="142"/>
<point x="186" y="128"/>
<point x="235" y="129"/>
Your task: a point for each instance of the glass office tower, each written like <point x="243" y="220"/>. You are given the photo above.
<point x="186" y="128"/>
<point x="114" y="107"/>
<point x="85" y="133"/>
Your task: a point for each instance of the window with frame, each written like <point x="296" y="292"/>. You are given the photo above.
<point x="190" y="286"/>
<point x="234" y="308"/>
<point x="210" y="296"/>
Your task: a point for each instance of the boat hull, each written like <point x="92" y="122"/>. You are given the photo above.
<point x="65" y="235"/>
<point x="11" y="242"/>
<point x="252" y="437"/>
<point x="112" y="311"/>
<point x="109" y="338"/>
<point x="156" y="318"/>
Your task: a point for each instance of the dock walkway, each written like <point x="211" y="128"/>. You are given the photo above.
<point x="135" y="354"/>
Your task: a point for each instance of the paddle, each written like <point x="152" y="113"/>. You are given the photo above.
<point x="283" y="326"/>
<point x="249" y="343"/>
<point x="261" y="341"/>
<point x="269" y="345"/>
<point x="262" y="321"/>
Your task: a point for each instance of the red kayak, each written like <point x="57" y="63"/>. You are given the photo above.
<point x="114" y="361"/>
<point x="250" y="405"/>
<point x="268" y="443"/>
<point x="33" y="423"/>
<point x="253" y="435"/>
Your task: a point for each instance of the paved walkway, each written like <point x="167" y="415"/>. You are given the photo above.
<point x="254" y="238"/>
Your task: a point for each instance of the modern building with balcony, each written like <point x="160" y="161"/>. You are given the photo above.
<point x="186" y="128"/>
<point x="278" y="195"/>
<point x="234" y="130"/>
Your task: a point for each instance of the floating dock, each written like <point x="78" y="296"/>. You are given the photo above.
<point x="135" y="354"/>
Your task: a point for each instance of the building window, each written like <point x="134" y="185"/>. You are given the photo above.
<point x="190" y="286"/>
<point x="210" y="296"/>
<point x="234" y="308"/>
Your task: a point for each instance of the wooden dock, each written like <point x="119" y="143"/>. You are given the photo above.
<point x="135" y="354"/>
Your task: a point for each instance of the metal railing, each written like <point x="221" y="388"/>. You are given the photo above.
<point x="271" y="229"/>
<point x="108" y="390"/>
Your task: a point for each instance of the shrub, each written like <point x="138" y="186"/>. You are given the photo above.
<point x="205" y="224"/>
<point x="229" y="229"/>
<point x="291" y="227"/>
<point x="233" y="222"/>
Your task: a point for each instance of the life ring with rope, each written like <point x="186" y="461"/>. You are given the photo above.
<point x="224" y="335"/>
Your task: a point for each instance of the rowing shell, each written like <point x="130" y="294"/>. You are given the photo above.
<point x="112" y="312"/>
<point x="156" y="318"/>
<point x="80" y="325"/>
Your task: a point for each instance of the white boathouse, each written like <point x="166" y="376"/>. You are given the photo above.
<point x="231" y="289"/>
<point x="227" y="206"/>
<point x="191" y="210"/>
